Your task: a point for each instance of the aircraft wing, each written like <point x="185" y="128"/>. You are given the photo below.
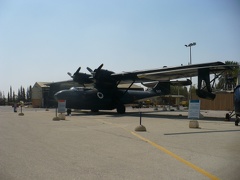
<point x="169" y="73"/>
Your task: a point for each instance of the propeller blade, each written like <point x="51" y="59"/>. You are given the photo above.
<point x="77" y="71"/>
<point x="89" y="69"/>
<point x="100" y="67"/>
<point x="69" y="74"/>
<point x="96" y="72"/>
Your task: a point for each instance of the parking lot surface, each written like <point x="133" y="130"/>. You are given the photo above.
<point x="105" y="145"/>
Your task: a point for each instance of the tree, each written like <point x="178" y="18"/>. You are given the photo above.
<point x="8" y="99"/>
<point x="14" y="97"/>
<point x="19" y="95"/>
<point x="2" y="98"/>
<point x="24" y="94"/>
<point x="11" y="95"/>
<point x="179" y="90"/>
<point x="228" y="80"/>
<point x="29" y="94"/>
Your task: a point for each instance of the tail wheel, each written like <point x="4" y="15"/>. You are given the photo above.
<point x="121" y="109"/>
<point x="228" y="117"/>
<point x="237" y="121"/>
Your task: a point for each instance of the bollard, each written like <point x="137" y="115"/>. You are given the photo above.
<point x="193" y="124"/>
<point x="140" y="127"/>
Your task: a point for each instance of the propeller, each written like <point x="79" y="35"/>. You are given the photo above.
<point x="81" y="78"/>
<point x="95" y="73"/>
<point x="76" y="73"/>
<point x="100" y="67"/>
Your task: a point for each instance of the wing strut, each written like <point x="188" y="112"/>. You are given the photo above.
<point x="128" y="87"/>
<point x="204" y="75"/>
<point x="205" y="91"/>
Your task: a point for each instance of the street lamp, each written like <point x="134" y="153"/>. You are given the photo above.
<point x="190" y="45"/>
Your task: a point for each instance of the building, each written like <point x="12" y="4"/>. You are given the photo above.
<point x="223" y="101"/>
<point x="40" y="92"/>
<point x="43" y="93"/>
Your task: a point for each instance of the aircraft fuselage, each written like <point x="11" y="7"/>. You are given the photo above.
<point x="101" y="99"/>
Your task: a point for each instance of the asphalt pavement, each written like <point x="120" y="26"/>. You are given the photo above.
<point x="105" y="145"/>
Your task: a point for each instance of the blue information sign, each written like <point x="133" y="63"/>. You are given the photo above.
<point x="194" y="109"/>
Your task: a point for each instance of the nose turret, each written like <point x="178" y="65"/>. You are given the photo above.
<point x="60" y="95"/>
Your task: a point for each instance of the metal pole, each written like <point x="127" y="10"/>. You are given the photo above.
<point x="140" y="118"/>
<point x="190" y="96"/>
<point x="190" y="55"/>
<point x="190" y="46"/>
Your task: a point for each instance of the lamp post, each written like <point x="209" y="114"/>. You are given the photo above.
<point x="190" y="45"/>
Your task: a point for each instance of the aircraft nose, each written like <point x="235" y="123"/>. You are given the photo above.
<point x="59" y="95"/>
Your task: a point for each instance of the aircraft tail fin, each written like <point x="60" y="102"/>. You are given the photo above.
<point x="162" y="88"/>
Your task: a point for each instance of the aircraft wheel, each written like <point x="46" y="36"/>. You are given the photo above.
<point x="227" y="117"/>
<point x="69" y="111"/>
<point x="94" y="110"/>
<point x="121" y="109"/>
<point x="236" y="121"/>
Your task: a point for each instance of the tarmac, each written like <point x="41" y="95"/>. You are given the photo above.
<point x="106" y="146"/>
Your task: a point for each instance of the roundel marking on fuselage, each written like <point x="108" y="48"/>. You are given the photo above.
<point x="100" y="95"/>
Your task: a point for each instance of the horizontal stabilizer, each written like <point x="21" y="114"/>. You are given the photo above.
<point x="181" y="83"/>
<point x="162" y="88"/>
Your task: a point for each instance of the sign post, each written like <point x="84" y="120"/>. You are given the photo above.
<point x="194" y="109"/>
<point x="61" y="106"/>
<point x="60" y="109"/>
<point x="194" y="113"/>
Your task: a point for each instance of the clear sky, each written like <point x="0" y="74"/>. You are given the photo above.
<point x="42" y="40"/>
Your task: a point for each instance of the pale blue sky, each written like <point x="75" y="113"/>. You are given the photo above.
<point x="42" y="40"/>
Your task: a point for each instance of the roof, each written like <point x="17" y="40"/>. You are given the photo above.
<point x="42" y="84"/>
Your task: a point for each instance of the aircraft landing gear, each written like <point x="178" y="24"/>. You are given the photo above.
<point x="121" y="109"/>
<point x="228" y="117"/>
<point x="94" y="110"/>
<point x="69" y="111"/>
<point x="237" y="121"/>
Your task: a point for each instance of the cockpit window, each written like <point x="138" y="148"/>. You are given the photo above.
<point x="79" y="89"/>
<point x="76" y="89"/>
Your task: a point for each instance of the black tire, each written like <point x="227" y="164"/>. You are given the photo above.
<point x="237" y="121"/>
<point x="94" y="110"/>
<point x="121" y="109"/>
<point x="227" y="117"/>
<point x="69" y="111"/>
